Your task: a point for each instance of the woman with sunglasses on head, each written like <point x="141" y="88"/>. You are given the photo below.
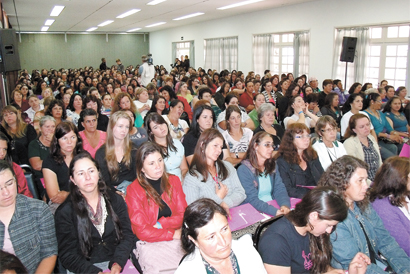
<point x="299" y="242"/>
<point x="93" y="227"/>
<point x="26" y="226"/>
<point x="297" y="161"/>
<point x="260" y="179"/>
<point x="362" y="230"/>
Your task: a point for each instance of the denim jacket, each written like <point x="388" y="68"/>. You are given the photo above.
<point x="348" y="239"/>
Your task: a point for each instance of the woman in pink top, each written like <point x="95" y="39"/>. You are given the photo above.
<point x="93" y="139"/>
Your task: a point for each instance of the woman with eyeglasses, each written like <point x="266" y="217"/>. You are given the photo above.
<point x="327" y="147"/>
<point x="26" y="226"/>
<point x="260" y="179"/>
<point x="297" y="161"/>
<point x="177" y="126"/>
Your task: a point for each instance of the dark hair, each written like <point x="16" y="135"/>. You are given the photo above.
<point x="329" y="100"/>
<point x="62" y="129"/>
<point x="229" y="97"/>
<point x="387" y="107"/>
<point x="290" y="90"/>
<point x="92" y="98"/>
<point x="171" y="92"/>
<point x="199" y="164"/>
<point x="251" y="156"/>
<point x="79" y="204"/>
<point x="154" y="102"/>
<point x="386" y="88"/>
<point x="369" y="98"/>
<point x="327" y="82"/>
<point x="197" y="113"/>
<point x="329" y="206"/>
<point x="11" y="262"/>
<point x="154" y="117"/>
<point x="290" y="111"/>
<point x="312" y="98"/>
<point x="288" y="149"/>
<point x="174" y="103"/>
<point x="222" y="89"/>
<point x="56" y="102"/>
<point x="347" y="105"/>
<point x="8" y="157"/>
<point x="229" y="110"/>
<point x="364" y="86"/>
<point x="391" y="181"/>
<point x="143" y="152"/>
<point x="71" y="104"/>
<point x="353" y="87"/>
<point x="352" y="124"/>
<point x="398" y="90"/>
<point x="339" y="173"/>
<point x="204" y="90"/>
<point x="87" y="112"/>
<point x="197" y="215"/>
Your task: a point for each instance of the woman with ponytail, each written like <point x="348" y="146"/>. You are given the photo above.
<point x="93" y="228"/>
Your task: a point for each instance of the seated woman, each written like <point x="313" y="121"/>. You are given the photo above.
<point x="170" y="95"/>
<point x="299" y="242"/>
<point x="236" y="137"/>
<point x="362" y="145"/>
<point x="106" y="104"/>
<point x="39" y="149"/>
<point x="5" y="154"/>
<point x="123" y="101"/>
<point x="56" y="110"/>
<point x="184" y="92"/>
<point x="389" y="195"/>
<point x="206" y="227"/>
<point x="362" y="230"/>
<point x="246" y="121"/>
<point x="327" y="147"/>
<point x="221" y="94"/>
<point x="18" y="102"/>
<point x="158" y="105"/>
<point x="268" y="93"/>
<point x="298" y="113"/>
<point x="116" y="157"/>
<point x="331" y="107"/>
<point x="92" y="138"/>
<point x="266" y="117"/>
<point x="172" y="149"/>
<point x="177" y="126"/>
<point x="260" y="179"/>
<point x="291" y="92"/>
<point x="137" y="135"/>
<point x="298" y="163"/>
<point x="388" y="138"/>
<point x="19" y="133"/>
<point x="156" y="205"/>
<point x="74" y="108"/>
<point x="92" y="102"/>
<point x="143" y="103"/>
<point x="209" y="176"/>
<point x="394" y="110"/>
<point x="258" y="100"/>
<point x="401" y="92"/>
<point x="65" y="145"/>
<point x="93" y="227"/>
<point x="26" y="226"/>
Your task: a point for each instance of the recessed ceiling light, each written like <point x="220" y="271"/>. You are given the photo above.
<point x="188" y="16"/>
<point x="49" y="22"/>
<point x="57" y="10"/>
<point x="239" y="4"/>
<point x="156" y="24"/>
<point x="92" y="29"/>
<point x="128" y="13"/>
<point x="131" y="30"/>
<point x="105" y="23"/>
<point x="44" y="29"/>
<point x="155" y="2"/>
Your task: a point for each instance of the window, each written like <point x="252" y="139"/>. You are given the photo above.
<point x="221" y="53"/>
<point x="387" y="58"/>
<point x="182" y="49"/>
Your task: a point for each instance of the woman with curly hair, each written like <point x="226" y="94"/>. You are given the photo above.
<point x="362" y="230"/>
<point x="56" y="110"/>
<point x="390" y="194"/>
<point x="123" y="101"/>
<point x="297" y="161"/>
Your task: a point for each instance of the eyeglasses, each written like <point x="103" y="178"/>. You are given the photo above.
<point x="329" y="130"/>
<point x="269" y="145"/>
<point x="307" y="136"/>
<point x="8" y="184"/>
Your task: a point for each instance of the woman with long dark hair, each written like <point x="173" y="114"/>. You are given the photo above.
<point x="300" y="242"/>
<point x="362" y="230"/>
<point x="93" y="227"/>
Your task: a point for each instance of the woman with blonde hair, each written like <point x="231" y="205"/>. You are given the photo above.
<point x="117" y="156"/>
<point x="19" y="133"/>
<point x="142" y="102"/>
<point x="123" y="101"/>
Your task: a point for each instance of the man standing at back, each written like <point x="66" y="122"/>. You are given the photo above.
<point x="147" y="71"/>
<point x="120" y="66"/>
<point x="103" y="65"/>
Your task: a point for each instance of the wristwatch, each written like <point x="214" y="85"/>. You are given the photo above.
<point x="236" y="155"/>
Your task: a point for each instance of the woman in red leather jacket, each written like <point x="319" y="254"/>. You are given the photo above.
<point x="156" y="201"/>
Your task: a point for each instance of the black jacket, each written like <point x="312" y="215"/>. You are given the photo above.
<point x="104" y="248"/>
<point x="293" y="177"/>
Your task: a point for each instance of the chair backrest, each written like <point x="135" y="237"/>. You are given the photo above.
<point x="30" y="180"/>
<point x="261" y="229"/>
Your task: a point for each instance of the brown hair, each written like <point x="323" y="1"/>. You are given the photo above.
<point x="229" y="110"/>
<point x="288" y="149"/>
<point x="391" y="181"/>
<point x="352" y="124"/>
<point x="322" y="122"/>
<point x="21" y="126"/>
<point x="250" y="155"/>
<point x="116" y="106"/>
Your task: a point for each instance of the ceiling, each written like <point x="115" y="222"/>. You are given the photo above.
<point x="80" y="15"/>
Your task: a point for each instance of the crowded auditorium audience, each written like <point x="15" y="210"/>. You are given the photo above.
<point x="100" y="169"/>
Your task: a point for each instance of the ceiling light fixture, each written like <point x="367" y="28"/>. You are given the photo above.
<point x="189" y="16"/>
<point x="44" y="29"/>
<point x="156" y="24"/>
<point x="105" y="23"/>
<point x="92" y="29"/>
<point x="239" y="4"/>
<point x="49" y="22"/>
<point x="131" y="30"/>
<point x="128" y="13"/>
<point x="155" y="2"/>
<point x="57" y="10"/>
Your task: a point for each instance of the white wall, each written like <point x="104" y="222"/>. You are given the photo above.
<point x="320" y="17"/>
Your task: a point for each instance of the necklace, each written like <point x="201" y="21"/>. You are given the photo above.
<point x="334" y="154"/>
<point x="376" y="115"/>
